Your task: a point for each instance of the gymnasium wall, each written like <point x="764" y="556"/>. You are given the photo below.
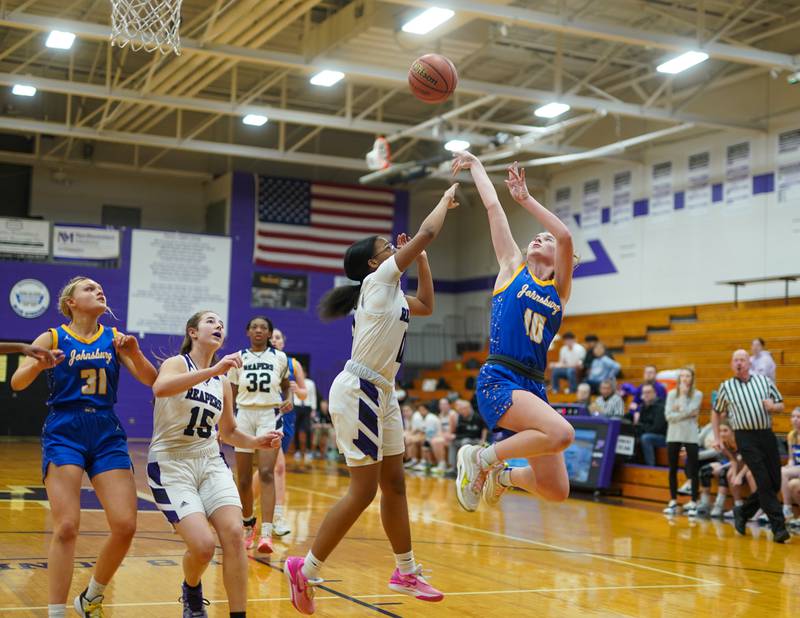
<point x="327" y="344"/>
<point x="166" y="203"/>
<point x="652" y="259"/>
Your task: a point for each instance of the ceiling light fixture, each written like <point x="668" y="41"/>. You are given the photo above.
<point x="60" y="40"/>
<point x="456" y="145"/>
<point x="427" y="21"/>
<point x="255" y="120"/>
<point x="327" y="78"/>
<point x="23" y="91"/>
<point x="682" y="62"/>
<point x="551" y="110"/>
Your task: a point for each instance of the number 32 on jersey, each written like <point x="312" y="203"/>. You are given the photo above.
<point x="534" y="325"/>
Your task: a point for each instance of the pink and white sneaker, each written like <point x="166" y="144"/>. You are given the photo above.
<point x="265" y="545"/>
<point x="249" y="537"/>
<point x="414" y="585"/>
<point x="302" y="590"/>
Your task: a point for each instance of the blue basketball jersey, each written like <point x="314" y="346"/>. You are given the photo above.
<point x="88" y="375"/>
<point x="526" y="315"/>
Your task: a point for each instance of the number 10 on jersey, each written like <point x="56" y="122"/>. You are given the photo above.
<point x="534" y="325"/>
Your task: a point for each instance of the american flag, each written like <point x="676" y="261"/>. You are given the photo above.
<point x="309" y="225"/>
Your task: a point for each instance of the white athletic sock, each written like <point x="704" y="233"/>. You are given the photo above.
<point x="278" y="513"/>
<point x="405" y="562"/>
<point x="720" y="501"/>
<point x="56" y="611"/>
<point x="738" y="502"/>
<point x="705" y="499"/>
<point x="504" y="478"/>
<point x="488" y="457"/>
<point x="266" y="529"/>
<point x="312" y="566"/>
<point x="94" y="589"/>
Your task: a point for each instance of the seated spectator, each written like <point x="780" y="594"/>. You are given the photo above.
<point x="791" y="471"/>
<point x="448" y="418"/>
<point x="761" y="362"/>
<point x="433" y="430"/>
<point x="719" y="470"/>
<point x="651" y="424"/>
<point x="648" y="377"/>
<point x="415" y="437"/>
<point x="324" y="434"/>
<point x="603" y="367"/>
<point x="589" y="341"/>
<point x="570" y="359"/>
<point x="583" y="395"/>
<point x="470" y="428"/>
<point x="681" y="411"/>
<point x="608" y="403"/>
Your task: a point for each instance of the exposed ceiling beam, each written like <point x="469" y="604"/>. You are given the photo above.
<point x="213" y="106"/>
<point x="383" y="74"/>
<point x="552" y="22"/>
<point x="18" y="125"/>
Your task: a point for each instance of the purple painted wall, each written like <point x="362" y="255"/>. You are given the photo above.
<point x="328" y="345"/>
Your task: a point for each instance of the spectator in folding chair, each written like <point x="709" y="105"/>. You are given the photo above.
<point x="608" y="403"/>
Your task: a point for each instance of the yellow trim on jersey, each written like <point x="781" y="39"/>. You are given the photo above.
<point x="114" y="331"/>
<point x="53" y="339"/>
<point x="91" y="339"/>
<point x="540" y="282"/>
<point x="510" y="281"/>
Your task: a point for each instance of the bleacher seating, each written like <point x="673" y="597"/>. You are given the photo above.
<point x="703" y="336"/>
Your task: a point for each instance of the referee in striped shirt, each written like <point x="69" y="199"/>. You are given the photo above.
<point x="749" y="401"/>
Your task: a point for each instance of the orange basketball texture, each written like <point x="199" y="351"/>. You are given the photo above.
<point x="432" y="78"/>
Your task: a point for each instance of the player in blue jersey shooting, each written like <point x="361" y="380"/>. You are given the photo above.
<point x="82" y="433"/>
<point x="527" y="306"/>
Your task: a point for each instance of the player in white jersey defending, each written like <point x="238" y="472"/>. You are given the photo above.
<point x="258" y="391"/>
<point x="190" y="480"/>
<point x="363" y="404"/>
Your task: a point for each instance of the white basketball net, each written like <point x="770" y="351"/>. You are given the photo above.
<point x="147" y="24"/>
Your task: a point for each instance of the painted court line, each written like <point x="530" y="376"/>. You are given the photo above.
<point x="391" y="595"/>
<point x="520" y="539"/>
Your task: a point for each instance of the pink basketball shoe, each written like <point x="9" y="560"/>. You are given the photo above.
<point x="414" y="585"/>
<point x="301" y="589"/>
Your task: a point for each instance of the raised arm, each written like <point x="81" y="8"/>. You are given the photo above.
<point x="564" y="262"/>
<point x="422" y="304"/>
<point x="508" y="255"/>
<point x="174" y="377"/>
<point x="51" y="357"/>
<point x="428" y="230"/>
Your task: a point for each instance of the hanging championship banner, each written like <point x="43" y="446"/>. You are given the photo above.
<point x="698" y="185"/>
<point x="788" y="177"/>
<point x="24" y="237"/>
<point x="622" y="202"/>
<point x="738" y="182"/>
<point x="661" y="189"/>
<point x="590" y="216"/>
<point x="563" y="206"/>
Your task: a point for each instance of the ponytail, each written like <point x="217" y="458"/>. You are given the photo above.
<point x="341" y="300"/>
<point x="338" y="302"/>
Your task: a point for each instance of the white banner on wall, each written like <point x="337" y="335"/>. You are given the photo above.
<point x="563" y="206"/>
<point x="174" y="275"/>
<point x="698" y="181"/>
<point x="590" y="216"/>
<point x="787" y="179"/>
<point x="75" y="242"/>
<point x="661" y="201"/>
<point x="29" y="237"/>
<point x="622" y="201"/>
<point x="738" y="183"/>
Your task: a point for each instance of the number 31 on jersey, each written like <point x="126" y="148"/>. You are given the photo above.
<point x="534" y="325"/>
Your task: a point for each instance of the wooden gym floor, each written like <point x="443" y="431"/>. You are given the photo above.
<point x="527" y="558"/>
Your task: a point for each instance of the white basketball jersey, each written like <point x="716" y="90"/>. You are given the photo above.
<point x="186" y="424"/>
<point x="381" y="321"/>
<point x="259" y="379"/>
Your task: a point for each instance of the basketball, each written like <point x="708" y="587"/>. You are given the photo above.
<point x="432" y="78"/>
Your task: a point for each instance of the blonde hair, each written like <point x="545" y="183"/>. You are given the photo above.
<point x="67" y="292"/>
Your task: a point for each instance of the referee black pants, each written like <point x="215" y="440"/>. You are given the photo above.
<point x="759" y="450"/>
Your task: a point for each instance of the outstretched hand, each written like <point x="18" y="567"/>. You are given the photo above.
<point x="46" y="358"/>
<point x="403" y="239"/>
<point x="126" y="344"/>
<point x="463" y="160"/>
<point x="450" y="196"/>
<point x="516" y="183"/>
<point x="226" y="363"/>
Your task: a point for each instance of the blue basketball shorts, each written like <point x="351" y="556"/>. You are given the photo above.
<point x="494" y="389"/>
<point x="287" y="429"/>
<point x="95" y="441"/>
